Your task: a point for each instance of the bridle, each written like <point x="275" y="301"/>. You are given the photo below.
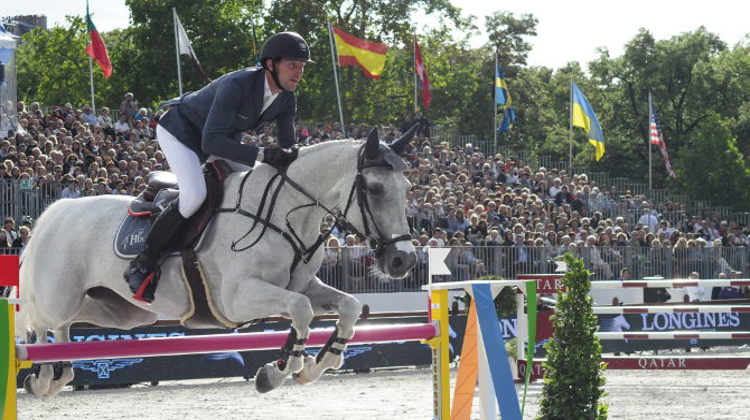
<point x="377" y="239"/>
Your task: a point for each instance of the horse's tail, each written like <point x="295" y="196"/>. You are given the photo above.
<point x="27" y="309"/>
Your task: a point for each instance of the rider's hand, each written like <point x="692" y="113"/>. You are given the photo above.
<point x="279" y="158"/>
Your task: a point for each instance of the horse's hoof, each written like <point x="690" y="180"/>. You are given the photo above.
<point x="268" y="378"/>
<point x="31" y="384"/>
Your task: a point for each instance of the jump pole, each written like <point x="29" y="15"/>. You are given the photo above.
<point x="213" y="343"/>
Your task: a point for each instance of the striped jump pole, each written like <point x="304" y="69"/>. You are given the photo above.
<point x="672" y="284"/>
<point x="670" y="309"/>
<point x="674" y="335"/>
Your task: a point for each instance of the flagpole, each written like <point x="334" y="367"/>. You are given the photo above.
<point x="177" y="48"/>
<point x="570" y="130"/>
<point x="336" y="78"/>
<point x="650" y="118"/>
<point x="91" y="78"/>
<point x="414" y="56"/>
<point x="494" y="124"/>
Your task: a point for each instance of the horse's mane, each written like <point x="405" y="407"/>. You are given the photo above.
<point x="329" y="144"/>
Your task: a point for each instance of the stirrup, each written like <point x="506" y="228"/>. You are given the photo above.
<point x="145" y="293"/>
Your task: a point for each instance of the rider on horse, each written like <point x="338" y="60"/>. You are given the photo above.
<point x="210" y="123"/>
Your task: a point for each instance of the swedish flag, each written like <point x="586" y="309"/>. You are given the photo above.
<point x="584" y="117"/>
<point x="504" y="101"/>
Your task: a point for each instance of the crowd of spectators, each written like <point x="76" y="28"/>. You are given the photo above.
<point x="460" y="197"/>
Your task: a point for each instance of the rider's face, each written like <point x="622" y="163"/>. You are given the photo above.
<point x="289" y="72"/>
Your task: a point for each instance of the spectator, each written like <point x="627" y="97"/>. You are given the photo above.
<point x="694" y="293"/>
<point x="648" y="218"/>
<point x="88" y="116"/>
<point x="24" y="234"/>
<point x="122" y="126"/>
<point x="8" y="233"/>
<point x="128" y="107"/>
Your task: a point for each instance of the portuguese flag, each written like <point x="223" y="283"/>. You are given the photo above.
<point x="96" y="48"/>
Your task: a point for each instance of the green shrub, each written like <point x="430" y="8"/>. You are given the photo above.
<point x="573" y="379"/>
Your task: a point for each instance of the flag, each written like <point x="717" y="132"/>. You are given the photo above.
<point x="96" y="48"/>
<point x="585" y="117"/>
<point x="186" y="48"/>
<point x="504" y="101"/>
<point x="657" y="137"/>
<point x="421" y="72"/>
<point x="353" y="51"/>
<point x="509" y="117"/>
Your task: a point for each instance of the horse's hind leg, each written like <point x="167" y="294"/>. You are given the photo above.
<point x="254" y="297"/>
<point x="326" y="299"/>
<point x="62" y="371"/>
<point x="50" y="378"/>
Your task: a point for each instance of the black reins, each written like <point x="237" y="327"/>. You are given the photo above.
<point x="301" y="251"/>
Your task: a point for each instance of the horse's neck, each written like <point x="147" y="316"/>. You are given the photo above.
<point x="325" y="171"/>
<point x="321" y="168"/>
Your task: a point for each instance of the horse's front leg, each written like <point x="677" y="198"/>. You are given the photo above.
<point x="255" y="299"/>
<point x="326" y="299"/>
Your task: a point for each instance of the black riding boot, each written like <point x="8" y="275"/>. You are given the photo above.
<point x="143" y="272"/>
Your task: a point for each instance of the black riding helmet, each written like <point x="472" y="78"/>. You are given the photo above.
<point x="289" y="45"/>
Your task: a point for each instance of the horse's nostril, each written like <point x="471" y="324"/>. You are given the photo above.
<point x="397" y="262"/>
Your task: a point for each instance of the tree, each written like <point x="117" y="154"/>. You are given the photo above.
<point x="507" y="36"/>
<point x="573" y="377"/>
<point x="220" y="31"/>
<point x="724" y="175"/>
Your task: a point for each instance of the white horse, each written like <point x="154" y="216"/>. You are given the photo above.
<point x="70" y="273"/>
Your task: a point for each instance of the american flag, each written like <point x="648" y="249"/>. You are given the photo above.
<point x="657" y="137"/>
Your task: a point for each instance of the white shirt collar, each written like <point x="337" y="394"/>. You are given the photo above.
<point x="268" y="96"/>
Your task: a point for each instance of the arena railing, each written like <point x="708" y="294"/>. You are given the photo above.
<point x="353" y="269"/>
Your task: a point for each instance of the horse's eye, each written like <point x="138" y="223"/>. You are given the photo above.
<point x="375" y="189"/>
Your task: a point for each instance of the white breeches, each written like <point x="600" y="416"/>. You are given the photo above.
<point x="186" y="166"/>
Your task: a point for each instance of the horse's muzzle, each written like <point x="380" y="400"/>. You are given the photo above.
<point x="398" y="259"/>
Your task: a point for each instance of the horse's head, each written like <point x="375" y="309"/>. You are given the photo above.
<point x="376" y="204"/>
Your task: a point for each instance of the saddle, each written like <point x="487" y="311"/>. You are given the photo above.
<point x="161" y="190"/>
<point x="131" y="236"/>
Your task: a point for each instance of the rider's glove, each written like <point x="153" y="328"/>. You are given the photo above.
<point x="280" y="158"/>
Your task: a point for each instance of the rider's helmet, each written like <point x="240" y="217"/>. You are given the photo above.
<point x="289" y="45"/>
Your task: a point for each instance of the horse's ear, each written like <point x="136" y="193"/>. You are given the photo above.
<point x="399" y="145"/>
<point x="372" y="146"/>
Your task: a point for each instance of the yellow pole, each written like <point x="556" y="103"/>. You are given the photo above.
<point x="8" y="364"/>
<point x="441" y="402"/>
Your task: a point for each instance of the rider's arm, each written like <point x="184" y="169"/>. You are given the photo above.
<point x="216" y="131"/>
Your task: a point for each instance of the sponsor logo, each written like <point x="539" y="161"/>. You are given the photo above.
<point x="104" y="368"/>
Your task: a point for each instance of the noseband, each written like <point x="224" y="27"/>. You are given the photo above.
<point x="359" y="187"/>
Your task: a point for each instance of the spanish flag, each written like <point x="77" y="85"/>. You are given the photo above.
<point x="584" y="117"/>
<point x="353" y="51"/>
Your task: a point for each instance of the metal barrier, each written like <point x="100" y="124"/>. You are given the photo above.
<point x="353" y="269"/>
<point x="17" y="201"/>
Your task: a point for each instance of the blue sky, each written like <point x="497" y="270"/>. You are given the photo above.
<point x="567" y="31"/>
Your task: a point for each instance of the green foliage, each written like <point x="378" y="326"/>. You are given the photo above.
<point x="573" y="379"/>
<point x="722" y="166"/>
<point x="505" y="301"/>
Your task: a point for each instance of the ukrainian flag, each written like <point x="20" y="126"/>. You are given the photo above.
<point x="585" y="117"/>
<point x="504" y="101"/>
